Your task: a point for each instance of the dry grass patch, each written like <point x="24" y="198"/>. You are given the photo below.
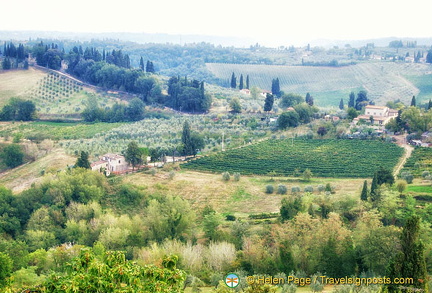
<point x="241" y="198"/>
<point x="17" y="82"/>
<point x="22" y="177"/>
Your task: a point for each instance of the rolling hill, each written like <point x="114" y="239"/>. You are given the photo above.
<point x="56" y="96"/>
<point x="383" y="81"/>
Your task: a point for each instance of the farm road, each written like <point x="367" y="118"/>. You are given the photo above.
<point x="401" y="141"/>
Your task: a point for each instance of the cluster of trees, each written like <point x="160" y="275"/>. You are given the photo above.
<point x="411" y="119"/>
<point x="317" y="232"/>
<point x="49" y="56"/>
<point x="133" y="111"/>
<point x="303" y="110"/>
<point x="189" y="96"/>
<point x="18" y="110"/>
<point x="242" y="84"/>
<point x="13" y="55"/>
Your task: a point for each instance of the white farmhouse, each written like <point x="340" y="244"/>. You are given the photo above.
<point x="111" y="163"/>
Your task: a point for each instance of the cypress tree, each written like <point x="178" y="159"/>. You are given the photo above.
<point x="430" y="104"/>
<point x="247" y="81"/>
<point x="341" y="104"/>
<point x="275" y="87"/>
<point x="268" y="103"/>
<point x="364" y="193"/>
<point x="233" y="81"/>
<point x="413" y="101"/>
<point x="374" y="194"/>
<point x="410" y="261"/>
<point x="241" y="82"/>
<point x="186" y="139"/>
<point x="142" y="63"/>
<point x="351" y="102"/>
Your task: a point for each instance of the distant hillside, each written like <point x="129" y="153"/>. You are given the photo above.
<point x="383" y="81"/>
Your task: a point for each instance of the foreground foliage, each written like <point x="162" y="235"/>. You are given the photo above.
<point x="111" y="272"/>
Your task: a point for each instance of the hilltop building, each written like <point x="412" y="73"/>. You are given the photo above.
<point x="381" y="115"/>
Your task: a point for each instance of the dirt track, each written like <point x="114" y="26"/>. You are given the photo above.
<point x="401" y="141"/>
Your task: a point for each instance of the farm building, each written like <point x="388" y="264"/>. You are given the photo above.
<point x="381" y="115"/>
<point x="111" y="163"/>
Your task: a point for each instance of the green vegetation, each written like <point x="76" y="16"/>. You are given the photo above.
<point x="420" y="161"/>
<point x="325" y="158"/>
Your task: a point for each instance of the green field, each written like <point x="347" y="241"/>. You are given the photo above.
<point x="424" y="189"/>
<point x="56" y="130"/>
<point x="325" y="158"/>
<point x="383" y="81"/>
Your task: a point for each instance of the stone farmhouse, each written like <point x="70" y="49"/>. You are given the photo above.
<point x="111" y="163"/>
<point x="381" y="115"/>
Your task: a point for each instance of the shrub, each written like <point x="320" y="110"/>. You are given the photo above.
<point x="230" y="218"/>
<point x="295" y="189"/>
<point x="269" y="189"/>
<point x="400" y="186"/>
<point x="282" y="189"/>
<point x="425" y="174"/>
<point x="407" y="176"/>
<point x="226" y="176"/>
<point x="308" y="188"/>
<point x="320" y="188"/>
<point x="236" y="176"/>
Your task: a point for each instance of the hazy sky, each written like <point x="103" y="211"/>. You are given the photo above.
<point x="271" y="22"/>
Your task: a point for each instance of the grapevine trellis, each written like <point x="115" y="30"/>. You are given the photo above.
<point x="325" y="158"/>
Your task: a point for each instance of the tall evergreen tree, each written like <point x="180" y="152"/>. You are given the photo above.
<point x="364" y="192"/>
<point x="413" y="101"/>
<point x="351" y="102"/>
<point x="430" y="104"/>
<point x="268" y="103"/>
<point x="83" y="161"/>
<point x="241" y="85"/>
<point x="309" y="99"/>
<point x="233" y="81"/>
<point x="341" y="104"/>
<point x="186" y="140"/>
<point x="374" y="193"/>
<point x="410" y="261"/>
<point x="247" y="81"/>
<point x="276" y="87"/>
<point x="142" y="63"/>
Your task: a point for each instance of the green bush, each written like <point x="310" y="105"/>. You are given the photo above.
<point x="269" y="189"/>
<point x="282" y="189"/>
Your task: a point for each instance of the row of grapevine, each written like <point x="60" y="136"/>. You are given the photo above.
<point x="325" y="158"/>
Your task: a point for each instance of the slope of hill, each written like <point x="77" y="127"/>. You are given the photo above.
<point x="383" y="81"/>
<point x="55" y="96"/>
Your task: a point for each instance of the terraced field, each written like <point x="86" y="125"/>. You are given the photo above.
<point x="325" y="158"/>
<point x="382" y="80"/>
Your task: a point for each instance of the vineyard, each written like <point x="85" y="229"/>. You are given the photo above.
<point x="420" y="160"/>
<point x="382" y="80"/>
<point x="325" y="158"/>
